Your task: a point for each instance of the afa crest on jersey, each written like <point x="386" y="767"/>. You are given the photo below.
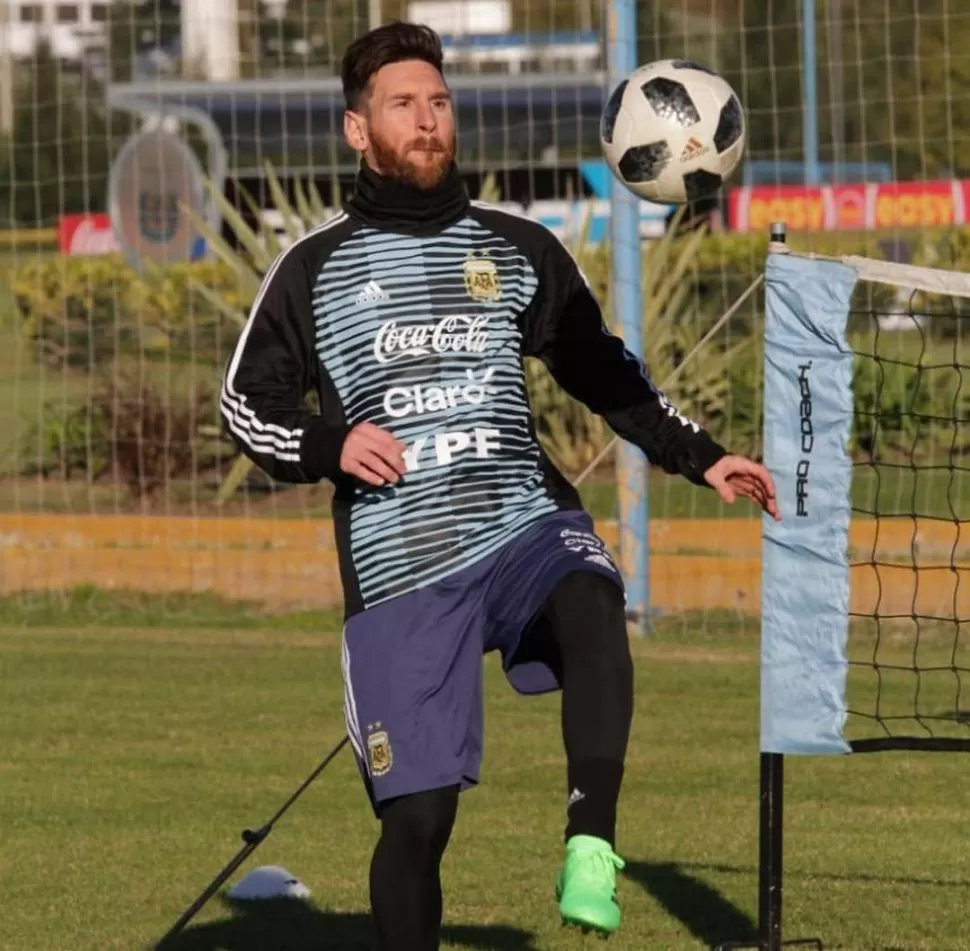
<point x="481" y="278"/>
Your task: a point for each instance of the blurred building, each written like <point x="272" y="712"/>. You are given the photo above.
<point x="478" y="37"/>
<point x="69" y="27"/>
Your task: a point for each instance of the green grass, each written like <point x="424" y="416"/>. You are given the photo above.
<point x="136" y="752"/>
<point x="87" y="607"/>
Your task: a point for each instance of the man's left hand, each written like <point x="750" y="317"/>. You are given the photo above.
<point x="733" y="476"/>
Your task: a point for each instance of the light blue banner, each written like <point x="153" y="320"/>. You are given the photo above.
<point x="805" y="568"/>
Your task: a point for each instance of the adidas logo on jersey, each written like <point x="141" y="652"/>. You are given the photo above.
<point x="371" y="294"/>
<point x="693" y="149"/>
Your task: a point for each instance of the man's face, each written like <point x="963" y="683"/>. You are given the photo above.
<point x="406" y="130"/>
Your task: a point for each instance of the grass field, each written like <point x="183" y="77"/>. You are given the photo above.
<point x="138" y="743"/>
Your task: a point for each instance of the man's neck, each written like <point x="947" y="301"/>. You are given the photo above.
<point x="395" y="205"/>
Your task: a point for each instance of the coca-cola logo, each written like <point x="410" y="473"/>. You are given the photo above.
<point x="456" y="333"/>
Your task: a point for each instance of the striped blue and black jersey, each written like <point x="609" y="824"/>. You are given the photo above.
<point x="423" y="331"/>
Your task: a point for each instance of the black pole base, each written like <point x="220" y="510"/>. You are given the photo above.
<point x="770" y="862"/>
<point x="761" y="946"/>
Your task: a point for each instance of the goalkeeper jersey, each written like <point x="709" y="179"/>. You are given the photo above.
<point x="414" y="311"/>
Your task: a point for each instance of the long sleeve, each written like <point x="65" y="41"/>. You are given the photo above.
<point x="273" y="368"/>
<point x="565" y="329"/>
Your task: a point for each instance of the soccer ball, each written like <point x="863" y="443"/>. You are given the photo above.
<point x="673" y="131"/>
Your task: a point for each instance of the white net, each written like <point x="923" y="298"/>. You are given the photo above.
<point x="115" y="474"/>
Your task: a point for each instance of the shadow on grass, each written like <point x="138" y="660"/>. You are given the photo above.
<point x="700" y="907"/>
<point x="294" y="925"/>
<point x="858" y="877"/>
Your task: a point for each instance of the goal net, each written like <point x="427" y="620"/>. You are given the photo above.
<point x="866" y="621"/>
<point x="114" y="473"/>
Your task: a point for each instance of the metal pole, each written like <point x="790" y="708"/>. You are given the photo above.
<point x="373" y="14"/>
<point x="772" y="811"/>
<point x="810" y="91"/>
<point x="251" y="839"/>
<point x="771" y="823"/>
<point x="6" y="71"/>
<point x="625" y="263"/>
<point x="836" y="85"/>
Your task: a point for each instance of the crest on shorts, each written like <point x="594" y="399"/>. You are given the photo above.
<point x="481" y="278"/>
<point x="379" y="758"/>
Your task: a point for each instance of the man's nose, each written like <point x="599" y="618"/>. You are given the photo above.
<point x="427" y="121"/>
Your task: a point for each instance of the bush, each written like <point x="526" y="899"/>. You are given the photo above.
<point x="85" y="312"/>
<point x="82" y="312"/>
<point x="137" y="429"/>
<point x="909" y="415"/>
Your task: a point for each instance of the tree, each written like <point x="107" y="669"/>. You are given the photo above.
<point x="916" y="95"/>
<point x="312" y="33"/>
<point x="761" y="58"/>
<point x="892" y="88"/>
<point x="60" y="153"/>
<point x="136" y="28"/>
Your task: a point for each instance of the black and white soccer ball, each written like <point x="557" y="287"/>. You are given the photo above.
<point x="673" y="131"/>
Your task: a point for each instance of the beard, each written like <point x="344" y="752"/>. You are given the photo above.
<point x="434" y="160"/>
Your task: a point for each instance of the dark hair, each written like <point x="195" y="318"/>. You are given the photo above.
<point x="390" y="43"/>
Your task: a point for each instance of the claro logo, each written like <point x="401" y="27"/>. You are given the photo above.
<point x="807" y="433"/>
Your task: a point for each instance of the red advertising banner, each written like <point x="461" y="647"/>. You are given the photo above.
<point x="850" y="207"/>
<point x="86" y="234"/>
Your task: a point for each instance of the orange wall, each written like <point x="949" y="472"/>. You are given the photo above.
<point x="697" y="564"/>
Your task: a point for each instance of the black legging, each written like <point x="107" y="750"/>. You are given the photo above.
<point x="405" y="872"/>
<point x="585" y="617"/>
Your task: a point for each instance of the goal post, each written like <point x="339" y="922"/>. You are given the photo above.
<point x="626" y="291"/>
<point x="864" y="624"/>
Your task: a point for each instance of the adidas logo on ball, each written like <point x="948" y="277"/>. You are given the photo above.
<point x="693" y="149"/>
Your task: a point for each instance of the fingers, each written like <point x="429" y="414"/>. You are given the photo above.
<point x="372" y="468"/>
<point x="756" y="489"/>
<point x="380" y="441"/>
<point x="750" y="478"/>
<point x="740" y="466"/>
<point x="373" y="455"/>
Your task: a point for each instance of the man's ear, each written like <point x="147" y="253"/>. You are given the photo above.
<point x="355" y="130"/>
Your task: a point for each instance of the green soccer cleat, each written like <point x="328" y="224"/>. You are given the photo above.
<point x="586" y="890"/>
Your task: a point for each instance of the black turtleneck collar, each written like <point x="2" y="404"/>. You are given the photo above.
<point x="389" y="204"/>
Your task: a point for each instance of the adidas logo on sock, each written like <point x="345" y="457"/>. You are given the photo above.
<point x="574" y="797"/>
<point x="371" y="294"/>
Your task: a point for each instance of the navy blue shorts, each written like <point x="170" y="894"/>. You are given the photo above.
<point x="412" y="666"/>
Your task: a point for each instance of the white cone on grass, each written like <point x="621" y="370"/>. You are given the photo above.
<point x="269" y="881"/>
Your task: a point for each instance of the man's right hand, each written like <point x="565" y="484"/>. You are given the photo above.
<point x="373" y="455"/>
